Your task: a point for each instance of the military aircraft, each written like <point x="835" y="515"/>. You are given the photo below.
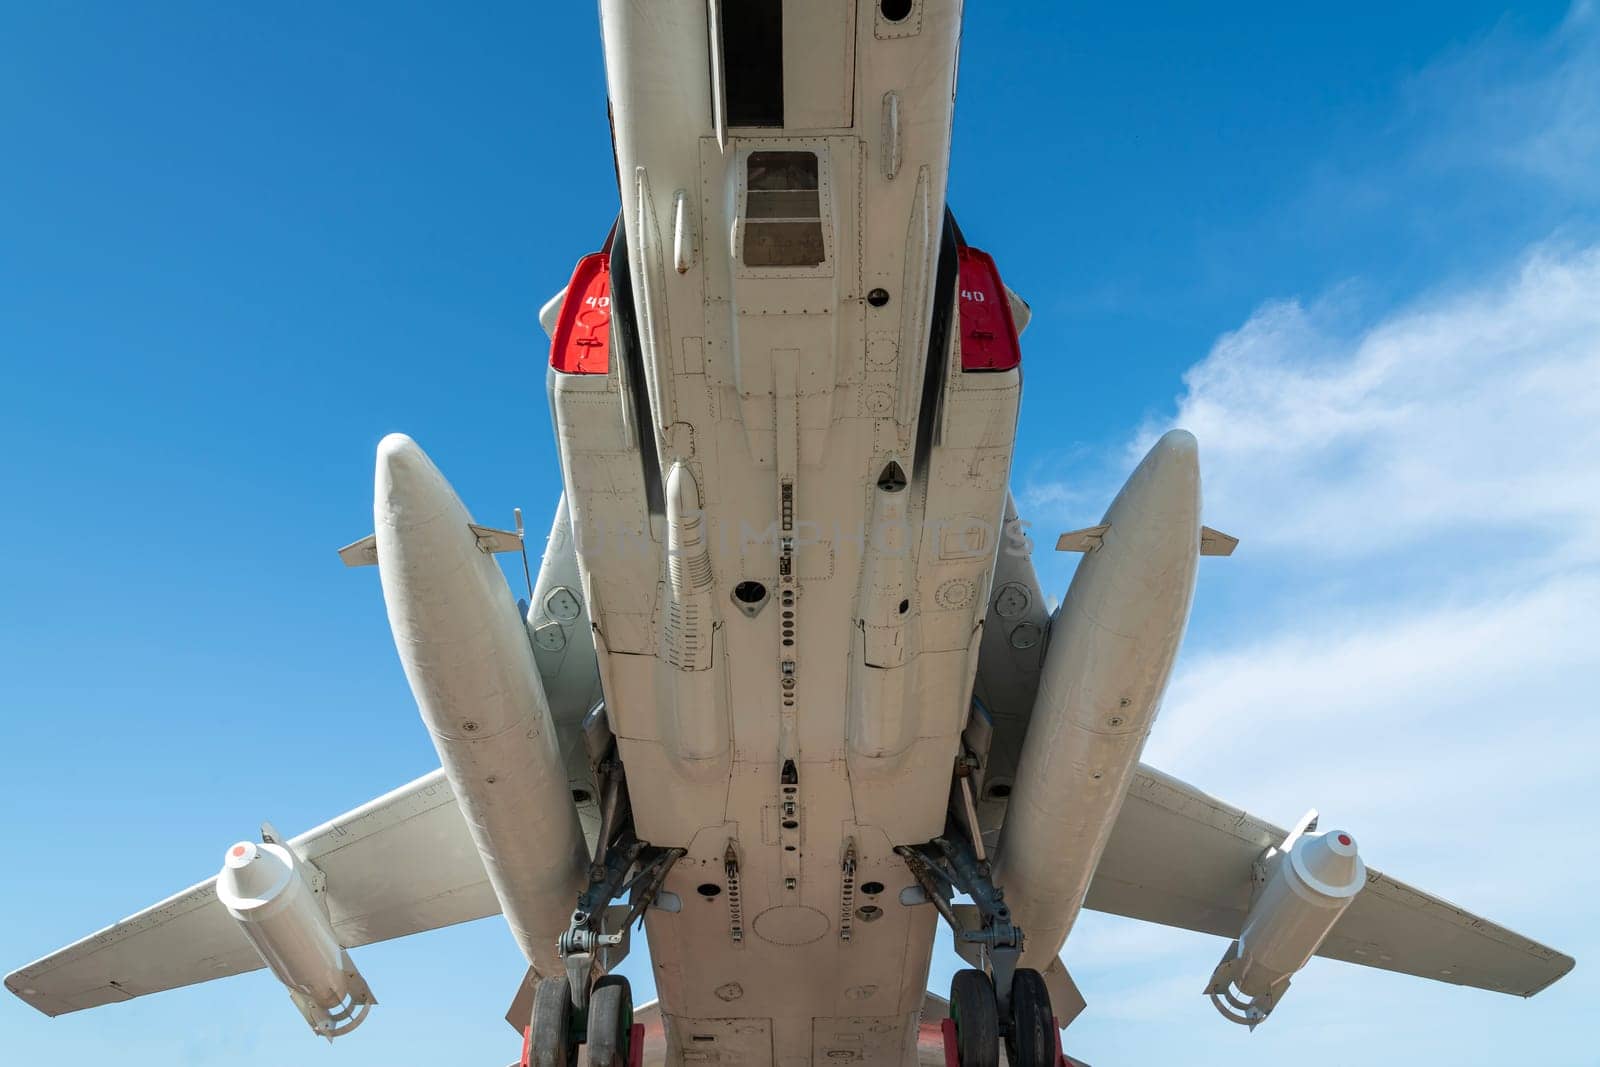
<point x="785" y="691"/>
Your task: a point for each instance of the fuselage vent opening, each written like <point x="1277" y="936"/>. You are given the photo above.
<point x="783" y="210"/>
<point x="895" y="10"/>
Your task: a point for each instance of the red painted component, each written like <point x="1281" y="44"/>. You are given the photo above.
<point x="1061" y="1057"/>
<point x="988" y="333"/>
<point x="1344" y="839"/>
<point x="583" y="331"/>
<point x="527" y="1046"/>
<point x="636" y="1045"/>
<point x="952" y="1053"/>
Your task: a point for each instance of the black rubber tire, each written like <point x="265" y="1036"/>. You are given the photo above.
<point x="1031" y="1038"/>
<point x="977" y="1019"/>
<point x="610" y="1022"/>
<point x="552" y="1045"/>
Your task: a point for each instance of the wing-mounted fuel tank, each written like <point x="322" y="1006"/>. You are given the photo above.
<point x="1300" y="891"/>
<point x="1112" y="646"/>
<point x="269" y="891"/>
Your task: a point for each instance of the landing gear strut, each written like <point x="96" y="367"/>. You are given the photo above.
<point x="588" y="1005"/>
<point x="1001" y="1001"/>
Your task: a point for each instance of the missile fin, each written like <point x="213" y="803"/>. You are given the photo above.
<point x="1086" y="540"/>
<point x="1216" y="543"/>
<point x="491" y="541"/>
<point x="362" y="553"/>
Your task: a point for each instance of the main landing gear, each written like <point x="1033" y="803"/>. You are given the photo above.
<point x="1002" y="1002"/>
<point x="606" y="1035"/>
<point x="587" y="1006"/>
<point x="1028" y="1028"/>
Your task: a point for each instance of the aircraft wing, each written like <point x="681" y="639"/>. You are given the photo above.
<point x="1181" y="858"/>
<point x="190" y="938"/>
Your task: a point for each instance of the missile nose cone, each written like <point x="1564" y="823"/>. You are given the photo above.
<point x="406" y="484"/>
<point x="401" y="462"/>
<point x="1164" y="489"/>
<point x="398" y="450"/>
<point x="1178" y="442"/>
<point x="250" y="872"/>
<point x="1174" y="460"/>
<point x="1330" y="863"/>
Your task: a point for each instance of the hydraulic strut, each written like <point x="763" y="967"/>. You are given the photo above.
<point x="624" y="866"/>
<point x="948" y="865"/>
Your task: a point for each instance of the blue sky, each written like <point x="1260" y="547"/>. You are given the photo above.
<point x="1357" y="251"/>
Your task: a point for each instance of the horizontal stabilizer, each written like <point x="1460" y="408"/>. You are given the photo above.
<point x="397" y="865"/>
<point x="1181" y="858"/>
<point x="1216" y="543"/>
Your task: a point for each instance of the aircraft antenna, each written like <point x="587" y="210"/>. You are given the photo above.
<point x="522" y="539"/>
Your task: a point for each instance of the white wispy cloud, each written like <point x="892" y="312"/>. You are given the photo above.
<point x="1410" y="630"/>
<point x="1530" y="109"/>
<point x="1443" y="713"/>
<point x="1475" y="415"/>
<point x="1416" y="604"/>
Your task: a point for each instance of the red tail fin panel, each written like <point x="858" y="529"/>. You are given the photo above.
<point x="988" y="333"/>
<point x="583" y="331"/>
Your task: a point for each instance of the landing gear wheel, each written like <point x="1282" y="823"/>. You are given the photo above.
<point x="552" y="1044"/>
<point x="610" y="1022"/>
<point x="972" y="1006"/>
<point x="1031" y="1041"/>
